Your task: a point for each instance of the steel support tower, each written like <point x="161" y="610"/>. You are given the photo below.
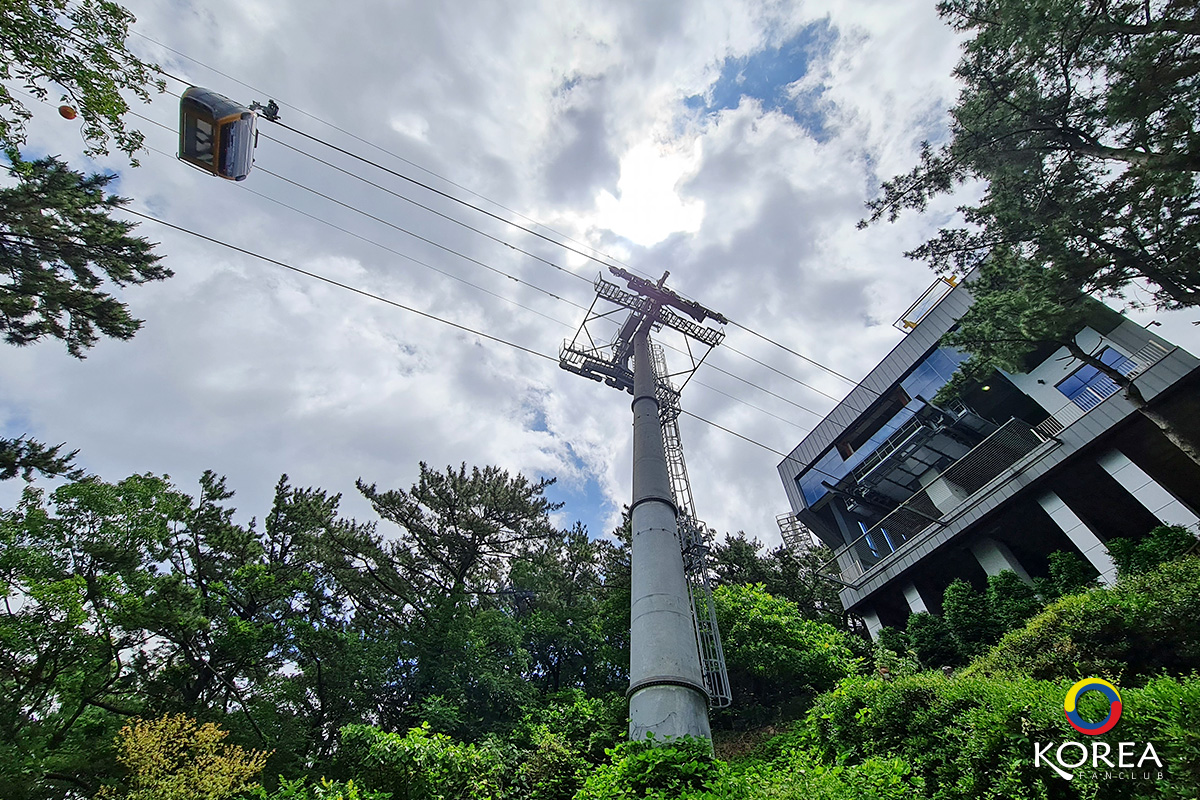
<point x="677" y="668"/>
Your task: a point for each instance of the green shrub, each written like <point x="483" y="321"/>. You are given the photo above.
<point x="554" y="769"/>
<point x="1164" y="543"/>
<point x="592" y="725"/>
<point x="932" y="641"/>
<point x="970" y="616"/>
<point x="972" y="737"/>
<point x="892" y="639"/>
<point x="682" y="769"/>
<point x="962" y="738"/>
<point x="777" y="659"/>
<point x="1011" y="600"/>
<point x="422" y="765"/>
<point x="799" y="774"/>
<point x="786" y="767"/>
<point x="1070" y="573"/>
<point x="1144" y="625"/>
<point x="321" y="790"/>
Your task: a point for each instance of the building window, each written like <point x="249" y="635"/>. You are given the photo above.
<point x="1088" y="386"/>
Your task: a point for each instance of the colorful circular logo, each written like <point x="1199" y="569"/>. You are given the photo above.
<point x="1071" y="706"/>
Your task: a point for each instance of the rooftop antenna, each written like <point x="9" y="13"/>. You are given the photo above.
<point x="677" y="667"/>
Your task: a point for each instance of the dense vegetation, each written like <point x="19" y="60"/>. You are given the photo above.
<point x="464" y="647"/>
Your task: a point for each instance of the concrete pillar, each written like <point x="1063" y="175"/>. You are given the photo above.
<point x="1148" y="491"/>
<point x="666" y="687"/>
<point x="916" y="603"/>
<point x="873" y="624"/>
<point x="1081" y="536"/>
<point x="995" y="557"/>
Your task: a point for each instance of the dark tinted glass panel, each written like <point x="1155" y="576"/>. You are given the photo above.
<point x="237" y="145"/>
<point x="198" y="138"/>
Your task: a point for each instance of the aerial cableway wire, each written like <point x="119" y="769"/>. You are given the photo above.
<point x="484" y="265"/>
<point x="543" y="236"/>
<point x="403" y="307"/>
<point x="383" y="150"/>
<point x="747" y="329"/>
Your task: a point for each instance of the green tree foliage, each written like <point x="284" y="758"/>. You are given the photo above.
<point x="683" y="768"/>
<point x="23" y="456"/>
<point x="74" y="569"/>
<point x="79" y="49"/>
<point x="423" y="765"/>
<point x="932" y="641"/>
<point x="61" y="252"/>
<point x="1144" y="625"/>
<point x="557" y="590"/>
<point x="971" y="736"/>
<point x="1069" y="574"/>
<point x="1011" y="600"/>
<point x="1164" y="543"/>
<point x="1082" y="118"/>
<point x="777" y="659"/>
<point x="177" y="758"/>
<point x="971" y="616"/>
<point x="782" y="572"/>
<point x="59" y="244"/>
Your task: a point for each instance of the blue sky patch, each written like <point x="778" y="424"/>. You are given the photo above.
<point x="765" y="76"/>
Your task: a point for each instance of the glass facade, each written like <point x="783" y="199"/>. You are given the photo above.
<point x="1088" y="386"/>
<point x="923" y="381"/>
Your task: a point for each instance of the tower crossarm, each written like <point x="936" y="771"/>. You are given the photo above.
<point x="645" y="306"/>
<point x="666" y="297"/>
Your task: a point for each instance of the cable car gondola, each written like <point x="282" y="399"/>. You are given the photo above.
<point x="216" y="134"/>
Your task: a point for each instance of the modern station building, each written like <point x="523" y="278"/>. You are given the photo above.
<point x="910" y="495"/>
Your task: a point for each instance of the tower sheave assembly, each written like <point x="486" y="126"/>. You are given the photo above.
<point x="676" y="665"/>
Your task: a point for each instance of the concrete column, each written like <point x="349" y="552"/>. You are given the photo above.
<point x="873" y="624"/>
<point x="1081" y="536"/>
<point x="915" y="602"/>
<point x="995" y="557"/>
<point x="666" y="687"/>
<point x="1148" y="491"/>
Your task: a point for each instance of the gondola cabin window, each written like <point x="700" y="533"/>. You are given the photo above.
<point x="216" y="134"/>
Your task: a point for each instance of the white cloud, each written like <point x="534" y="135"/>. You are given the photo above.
<point x="570" y="113"/>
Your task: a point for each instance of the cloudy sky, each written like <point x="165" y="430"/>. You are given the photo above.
<point x="732" y="143"/>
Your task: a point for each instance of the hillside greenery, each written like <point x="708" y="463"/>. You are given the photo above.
<point x="464" y="647"/>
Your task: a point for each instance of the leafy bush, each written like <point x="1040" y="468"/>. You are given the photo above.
<point x="1012" y="601"/>
<point x="1164" y="543"/>
<point x="683" y="769"/>
<point x="932" y="641"/>
<point x="777" y="659"/>
<point x="892" y="639"/>
<point x="970" y="616"/>
<point x="973" y="737"/>
<point x="1069" y="574"/>
<point x="322" y="790"/>
<point x="799" y="774"/>
<point x="554" y="769"/>
<point x="1144" y="625"/>
<point x="176" y="758"/>
<point x="423" y="765"/>
<point x="590" y="724"/>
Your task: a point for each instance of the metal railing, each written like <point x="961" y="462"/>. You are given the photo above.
<point x="921" y="513"/>
<point x="965" y="478"/>
<point x="1149" y="355"/>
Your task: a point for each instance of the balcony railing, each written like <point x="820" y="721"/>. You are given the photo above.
<point x="959" y="484"/>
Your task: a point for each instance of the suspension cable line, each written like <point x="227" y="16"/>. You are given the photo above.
<point x="402" y="306"/>
<point x="422" y="206"/>
<point x="383" y="150"/>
